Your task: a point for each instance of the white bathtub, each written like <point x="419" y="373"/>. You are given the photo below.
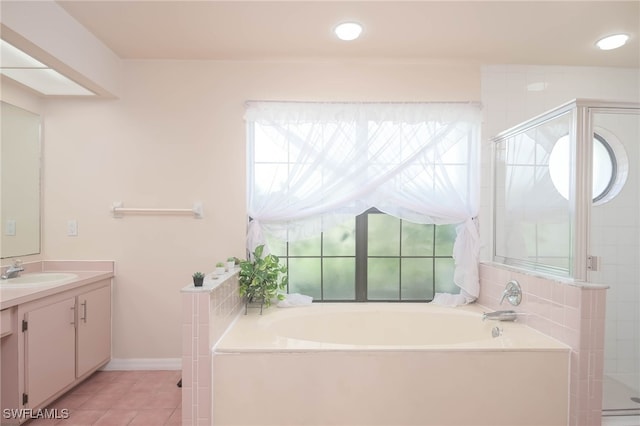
<point x="387" y="364"/>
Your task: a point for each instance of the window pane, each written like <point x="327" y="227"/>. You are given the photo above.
<point x="339" y="279"/>
<point x="308" y="247"/>
<point x="386" y="143"/>
<point x="269" y="145"/>
<point x="458" y="177"/>
<point x="276" y="246"/>
<point x="331" y="276"/>
<point x="340" y="240"/>
<point x="444" y="276"/>
<point x="304" y="277"/>
<point x="602" y="170"/>
<point x="417" y="279"/>
<point x="270" y="178"/>
<point x="417" y="239"/>
<point x="445" y="237"/>
<point x="458" y="152"/>
<point x="383" y="235"/>
<point x="382" y="278"/>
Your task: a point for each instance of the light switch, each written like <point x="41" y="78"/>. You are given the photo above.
<point x="72" y="228"/>
<point x="10" y="227"/>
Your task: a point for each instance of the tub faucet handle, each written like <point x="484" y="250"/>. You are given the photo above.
<point x="512" y="292"/>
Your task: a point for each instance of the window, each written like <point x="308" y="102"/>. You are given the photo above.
<point x="606" y="179"/>
<point x="316" y="167"/>
<point x="374" y="257"/>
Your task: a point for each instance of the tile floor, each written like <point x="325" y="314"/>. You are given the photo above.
<point x="118" y="398"/>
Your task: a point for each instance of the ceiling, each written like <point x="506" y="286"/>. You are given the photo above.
<point x="484" y="32"/>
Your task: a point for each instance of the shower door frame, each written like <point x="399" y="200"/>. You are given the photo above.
<point x="592" y="267"/>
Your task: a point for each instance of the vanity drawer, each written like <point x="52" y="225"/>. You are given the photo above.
<point x="6" y="323"/>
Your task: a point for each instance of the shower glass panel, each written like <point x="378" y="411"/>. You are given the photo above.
<point x="533" y="220"/>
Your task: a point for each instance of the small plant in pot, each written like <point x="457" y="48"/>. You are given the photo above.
<point x="219" y="268"/>
<point x="198" y="279"/>
<point x="231" y="263"/>
<point x="262" y="279"/>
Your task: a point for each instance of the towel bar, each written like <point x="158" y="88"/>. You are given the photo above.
<point x="118" y="210"/>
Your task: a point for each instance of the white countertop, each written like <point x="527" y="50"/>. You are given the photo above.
<point x="12" y="296"/>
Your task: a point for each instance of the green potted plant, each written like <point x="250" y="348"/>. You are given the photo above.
<point x="262" y="279"/>
<point x="219" y="268"/>
<point x="198" y="278"/>
<point x="231" y="263"/>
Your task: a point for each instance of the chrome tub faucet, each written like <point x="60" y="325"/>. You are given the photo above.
<point x="500" y="316"/>
<point x="512" y="292"/>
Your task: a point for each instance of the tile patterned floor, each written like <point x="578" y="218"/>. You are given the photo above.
<point x="119" y="398"/>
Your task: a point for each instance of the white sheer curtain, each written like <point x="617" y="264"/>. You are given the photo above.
<point x="312" y="165"/>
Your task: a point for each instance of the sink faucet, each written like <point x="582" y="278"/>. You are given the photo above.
<point x="13" y="270"/>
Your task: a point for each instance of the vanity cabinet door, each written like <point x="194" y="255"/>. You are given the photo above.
<point x="49" y="350"/>
<point x="94" y="329"/>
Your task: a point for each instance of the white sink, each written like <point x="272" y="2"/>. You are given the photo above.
<point x="38" y="279"/>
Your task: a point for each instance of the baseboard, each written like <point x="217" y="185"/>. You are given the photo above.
<point x="143" y="364"/>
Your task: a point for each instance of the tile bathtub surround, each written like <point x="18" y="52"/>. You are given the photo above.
<point x="573" y="314"/>
<point x="207" y="312"/>
<point x="118" y="398"/>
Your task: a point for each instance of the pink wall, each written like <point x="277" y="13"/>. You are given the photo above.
<point x="571" y="313"/>
<point x="175" y="136"/>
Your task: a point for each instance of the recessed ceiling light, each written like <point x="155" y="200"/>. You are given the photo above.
<point x="612" y="41"/>
<point x="348" y="31"/>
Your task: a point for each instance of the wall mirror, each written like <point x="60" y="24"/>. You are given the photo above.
<point x="20" y="164"/>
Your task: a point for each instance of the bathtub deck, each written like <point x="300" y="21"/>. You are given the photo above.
<point x="264" y="333"/>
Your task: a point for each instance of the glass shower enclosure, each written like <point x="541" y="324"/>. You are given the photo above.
<point x="567" y="203"/>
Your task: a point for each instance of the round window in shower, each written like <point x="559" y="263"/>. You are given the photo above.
<point x="610" y="166"/>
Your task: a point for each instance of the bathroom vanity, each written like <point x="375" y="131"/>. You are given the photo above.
<point x="55" y="328"/>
